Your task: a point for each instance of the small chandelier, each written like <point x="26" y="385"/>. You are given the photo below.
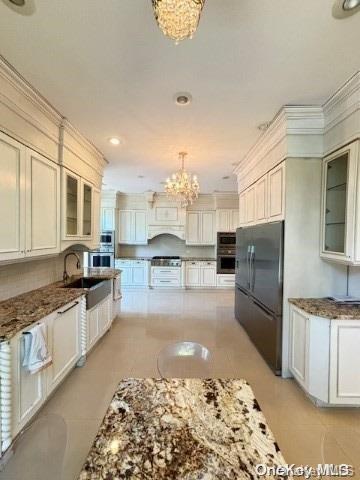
<point x="178" y="19"/>
<point x="183" y="185"/>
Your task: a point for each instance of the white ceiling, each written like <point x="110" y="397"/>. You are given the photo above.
<point x="108" y="68"/>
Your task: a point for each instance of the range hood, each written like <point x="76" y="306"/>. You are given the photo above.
<point x="176" y="230"/>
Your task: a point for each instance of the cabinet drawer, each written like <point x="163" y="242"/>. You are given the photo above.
<point x="209" y="263"/>
<point x="124" y="263"/>
<point x="226" y="280"/>
<point x="193" y="263"/>
<point x="157" y="272"/>
<point x="166" y="282"/>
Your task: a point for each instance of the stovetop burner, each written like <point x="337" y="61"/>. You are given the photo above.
<point x="166" y="261"/>
<point x="164" y="257"/>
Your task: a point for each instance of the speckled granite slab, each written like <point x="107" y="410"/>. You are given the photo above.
<point x="99" y="272"/>
<point x="323" y="307"/>
<point x="23" y="310"/>
<point x="181" y="429"/>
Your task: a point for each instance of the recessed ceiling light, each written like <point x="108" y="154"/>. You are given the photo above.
<point x="235" y="164"/>
<point x="18" y="3"/>
<point x="182" y="98"/>
<point x="226" y="177"/>
<point x="114" y="141"/>
<point x="140" y="176"/>
<point x="350" y="4"/>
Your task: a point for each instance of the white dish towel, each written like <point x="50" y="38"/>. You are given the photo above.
<point x="36" y="353"/>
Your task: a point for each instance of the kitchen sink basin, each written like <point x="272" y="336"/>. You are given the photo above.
<point x="97" y="289"/>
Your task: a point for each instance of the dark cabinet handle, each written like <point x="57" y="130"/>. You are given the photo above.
<point x="69" y="308"/>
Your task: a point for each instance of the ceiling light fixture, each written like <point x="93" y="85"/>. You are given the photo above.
<point x="182" y="98"/>
<point x="350" y="4"/>
<point x="226" y="177"/>
<point x="183" y="185"/>
<point x="263" y="126"/>
<point x="114" y="141"/>
<point x="178" y="19"/>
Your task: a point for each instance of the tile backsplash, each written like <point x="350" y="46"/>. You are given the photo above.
<point x="21" y="277"/>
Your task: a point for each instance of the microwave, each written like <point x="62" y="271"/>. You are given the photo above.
<point x="226" y="240"/>
<point x="99" y="259"/>
<point x="107" y="240"/>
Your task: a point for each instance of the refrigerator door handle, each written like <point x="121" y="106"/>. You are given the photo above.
<point x="252" y="267"/>
<point x="248" y="266"/>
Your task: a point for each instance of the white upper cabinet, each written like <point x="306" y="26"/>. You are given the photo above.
<point x="107" y="219"/>
<point x="340" y="234"/>
<point x="12" y="198"/>
<point x="87" y="209"/>
<point x="261" y="200"/>
<point x="200" y="228"/>
<point x="29" y="202"/>
<point x="276" y="193"/>
<point x="96" y="216"/>
<point x="227" y="220"/>
<point x="133" y="227"/>
<point x="264" y="201"/>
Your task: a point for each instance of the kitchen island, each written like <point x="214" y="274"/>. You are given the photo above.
<point x="182" y="429"/>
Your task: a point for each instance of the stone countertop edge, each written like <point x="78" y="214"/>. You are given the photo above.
<point x="323" y="307"/>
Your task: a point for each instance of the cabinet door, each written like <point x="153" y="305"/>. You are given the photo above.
<point x="276" y="193"/>
<point x="250" y="205"/>
<point x="344" y="362"/>
<point x="193" y="278"/>
<point x="224" y="220"/>
<point x="125" y="226"/>
<point x="138" y="273"/>
<point x="261" y="200"/>
<point x="299" y="347"/>
<point x="71" y="204"/>
<point x="87" y="209"/>
<point x="235" y="222"/>
<point x="107" y="219"/>
<point x="12" y="199"/>
<point x="242" y="209"/>
<point x="208" y="275"/>
<point x="42" y="205"/>
<point x="96" y="217"/>
<point x="93" y="327"/>
<point x="126" y="275"/>
<point x="64" y="343"/>
<point x="208" y="228"/>
<point x="28" y="390"/>
<point x="193" y="228"/>
<point x="104" y="315"/>
<point x="140" y="227"/>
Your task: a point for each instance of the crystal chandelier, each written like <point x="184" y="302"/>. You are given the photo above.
<point x="178" y="19"/>
<point x="183" y="185"/>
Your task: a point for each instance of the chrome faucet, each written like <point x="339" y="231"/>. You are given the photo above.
<point x="78" y="265"/>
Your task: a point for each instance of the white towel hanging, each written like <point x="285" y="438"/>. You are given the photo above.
<point x="36" y="354"/>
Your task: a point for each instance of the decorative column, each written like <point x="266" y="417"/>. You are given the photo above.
<point x="5" y="395"/>
<point x="83" y="332"/>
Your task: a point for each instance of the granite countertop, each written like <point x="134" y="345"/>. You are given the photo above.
<point x="133" y="258"/>
<point x="195" y="259"/>
<point x="182" y="429"/>
<point x="323" y="307"/>
<point x="20" y="312"/>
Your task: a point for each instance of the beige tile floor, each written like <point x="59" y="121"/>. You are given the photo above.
<point x="149" y="321"/>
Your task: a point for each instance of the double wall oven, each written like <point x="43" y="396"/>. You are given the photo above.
<point x="104" y="257"/>
<point x="226" y="252"/>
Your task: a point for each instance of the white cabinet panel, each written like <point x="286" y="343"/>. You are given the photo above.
<point x="28" y="390"/>
<point x="276" y="193"/>
<point x="235" y="221"/>
<point x="138" y="275"/>
<point x="193" y="228"/>
<point x="125" y="226"/>
<point x="261" y="200"/>
<point x="96" y="217"/>
<point x="208" y="276"/>
<point x="92" y="327"/>
<point x="12" y="198"/>
<point x="140" y="230"/>
<point x="43" y="205"/>
<point x="107" y="219"/>
<point x="242" y="209"/>
<point x="105" y="315"/>
<point x="225" y="280"/>
<point x="250" y="205"/>
<point x="193" y="278"/>
<point x="299" y="346"/>
<point x="208" y="228"/>
<point x="63" y="342"/>
<point x="223" y="220"/>
<point x="126" y="276"/>
<point x="345" y="362"/>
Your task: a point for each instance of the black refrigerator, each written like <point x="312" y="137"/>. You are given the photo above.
<point x="259" y="288"/>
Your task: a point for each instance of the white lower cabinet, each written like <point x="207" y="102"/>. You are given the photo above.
<point x="225" y="280"/>
<point x="29" y="391"/>
<point x="135" y="273"/>
<point x="200" y="274"/>
<point x="99" y="320"/>
<point x="324" y="357"/>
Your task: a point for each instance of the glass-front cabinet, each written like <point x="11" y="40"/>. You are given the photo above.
<point x="340" y="206"/>
<point x="77" y="207"/>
